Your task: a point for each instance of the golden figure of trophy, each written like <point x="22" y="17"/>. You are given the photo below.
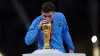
<point x="46" y="28"/>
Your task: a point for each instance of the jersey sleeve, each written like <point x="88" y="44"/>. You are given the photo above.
<point x="66" y="34"/>
<point x="32" y="31"/>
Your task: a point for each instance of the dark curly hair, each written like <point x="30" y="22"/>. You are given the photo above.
<point x="48" y="7"/>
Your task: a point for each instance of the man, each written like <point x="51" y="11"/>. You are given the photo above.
<point x="59" y="29"/>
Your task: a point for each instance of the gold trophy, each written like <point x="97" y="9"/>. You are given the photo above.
<point x="46" y="28"/>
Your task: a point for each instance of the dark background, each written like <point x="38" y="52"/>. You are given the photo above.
<point x="17" y="15"/>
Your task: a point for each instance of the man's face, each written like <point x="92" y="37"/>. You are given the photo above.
<point x="48" y="16"/>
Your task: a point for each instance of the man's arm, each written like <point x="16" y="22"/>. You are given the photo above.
<point x="32" y="32"/>
<point x="66" y="36"/>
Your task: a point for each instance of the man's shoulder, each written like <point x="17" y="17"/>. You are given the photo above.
<point x="59" y="13"/>
<point x="38" y="17"/>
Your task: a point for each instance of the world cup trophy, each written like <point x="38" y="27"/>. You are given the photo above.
<point x="46" y="28"/>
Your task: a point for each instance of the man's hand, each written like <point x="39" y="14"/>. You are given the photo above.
<point x="70" y="51"/>
<point x="42" y="22"/>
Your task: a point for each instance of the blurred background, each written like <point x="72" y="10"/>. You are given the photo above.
<point x="17" y="15"/>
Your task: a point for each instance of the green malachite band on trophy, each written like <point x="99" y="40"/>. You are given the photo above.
<point x="46" y="47"/>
